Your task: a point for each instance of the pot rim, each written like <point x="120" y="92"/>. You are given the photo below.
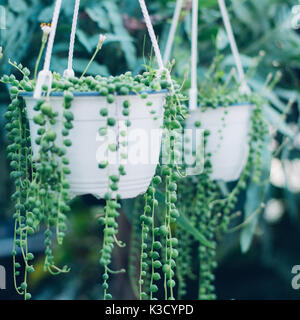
<point x="237" y="104"/>
<point x="91" y="93"/>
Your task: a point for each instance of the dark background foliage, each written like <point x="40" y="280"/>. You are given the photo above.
<point x="263" y="271"/>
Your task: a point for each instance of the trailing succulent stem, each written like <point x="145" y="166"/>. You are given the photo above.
<point x="165" y="255"/>
<point x="203" y="202"/>
<point x="42" y="194"/>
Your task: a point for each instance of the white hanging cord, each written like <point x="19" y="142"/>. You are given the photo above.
<point x="172" y="32"/>
<point x="45" y="76"/>
<point x="154" y="42"/>
<point x="69" y="73"/>
<point x="194" y="58"/>
<point x="244" y="87"/>
<point x="151" y="34"/>
<point x="52" y="35"/>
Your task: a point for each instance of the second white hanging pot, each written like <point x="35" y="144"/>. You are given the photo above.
<point x="228" y="140"/>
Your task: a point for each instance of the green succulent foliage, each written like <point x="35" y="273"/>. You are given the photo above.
<point x="156" y="227"/>
<point x="205" y="212"/>
<point x="41" y="195"/>
<point x="42" y="187"/>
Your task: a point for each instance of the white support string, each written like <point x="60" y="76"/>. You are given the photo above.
<point x="154" y="42"/>
<point x="69" y="72"/>
<point x="152" y="34"/>
<point x="52" y="35"/>
<point x="45" y="76"/>
<point x="194" y="57"/>
<point x="244" y="87"/>
<point x="172" y="32"/>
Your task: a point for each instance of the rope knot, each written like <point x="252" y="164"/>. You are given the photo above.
<point x="44" y="81"/>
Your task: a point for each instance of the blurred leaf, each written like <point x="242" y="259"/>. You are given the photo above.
<point x="67" y="9"/>
<point x="207" y="3"/>
<point x="222" y="39"/>
<point x="119" y="29"/>
<point x="184" y="223"/>
<point x="128" y="208"/>
<point x="59" y="65"/>
<point x="84" y="39"/>
<point x="117" y="38"/>
<point x="271" y="96"/>
<point x="255" y="195"/>
<point x="98" y="15"/>
<point x="286" y="94"/>
<point x="18" y="6"/>
<point x="246" y="61"/>
<point x="96" y="68"/>
<point x="277" y="121"/>
<point x="291" y="198"/>
<point x="46" y="14"/>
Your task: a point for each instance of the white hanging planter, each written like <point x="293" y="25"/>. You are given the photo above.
<point x="228" y="139"/>
<point x="85" y="152"/>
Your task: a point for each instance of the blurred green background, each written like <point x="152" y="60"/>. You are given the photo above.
<point x="264" y="271"/>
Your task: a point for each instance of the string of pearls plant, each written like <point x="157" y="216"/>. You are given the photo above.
<point x="42" y="187"/>
<point x="181" y="254"/>
<point x="163" y="252"/>
<point x="203" y="203"/>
